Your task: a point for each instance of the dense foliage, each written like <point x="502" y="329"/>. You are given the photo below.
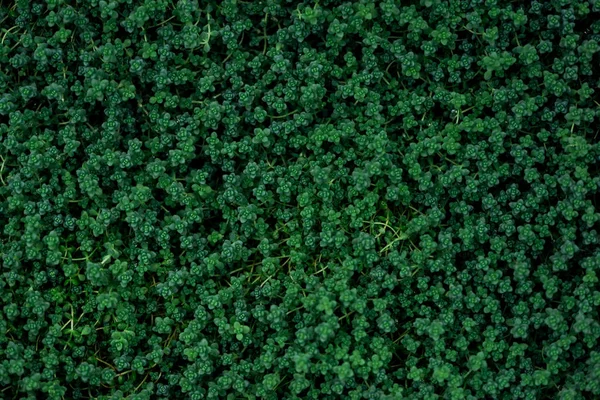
<point x="304" y="200"/>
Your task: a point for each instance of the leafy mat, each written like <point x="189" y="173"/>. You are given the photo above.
<point x="276" y="199"/>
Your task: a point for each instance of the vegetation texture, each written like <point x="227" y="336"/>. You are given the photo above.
<point x="271" y="199"/>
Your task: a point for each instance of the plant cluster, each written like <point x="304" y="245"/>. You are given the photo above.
<point x="276" y="199"/>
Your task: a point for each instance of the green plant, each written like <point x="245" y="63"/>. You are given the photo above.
<point x="300" y="200"/>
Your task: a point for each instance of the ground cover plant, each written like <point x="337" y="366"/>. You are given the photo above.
<point x="279" y="199"/>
